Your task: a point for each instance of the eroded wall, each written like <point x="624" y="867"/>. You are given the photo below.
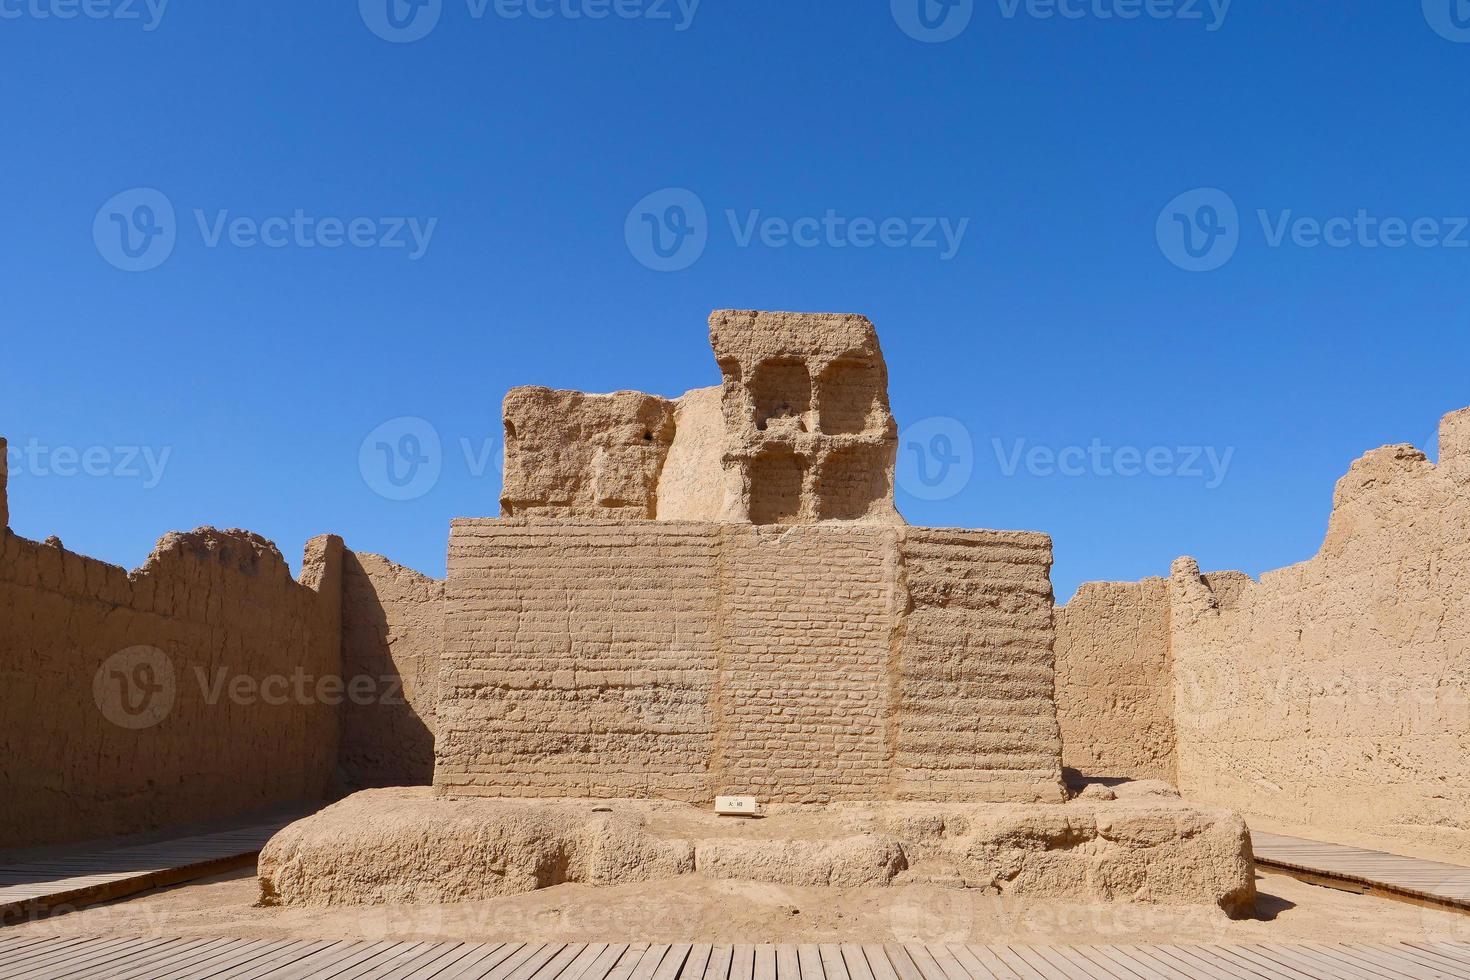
<point x="164" y="696"/>
<point x="1115" y="694"/>
<point x="681" y="660"/>
<point x="1329" y="699"/>
<point x="392" y="639"/>
<point x="1335" y="694"/>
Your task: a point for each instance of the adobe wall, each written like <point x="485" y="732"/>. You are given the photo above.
<point x="1335" y="694"/>
<point x="122" y="712"/>
<point x="1115" y="692"/>
<point x="392" y="636"/>
<point x="681" y="660"/>
<point x="1329" y="699"/>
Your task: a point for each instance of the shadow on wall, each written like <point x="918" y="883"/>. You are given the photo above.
<point x="392" y="626"/>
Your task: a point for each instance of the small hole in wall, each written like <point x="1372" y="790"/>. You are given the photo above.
<point x="648" y="437"/>
<point x="510" y="429"/>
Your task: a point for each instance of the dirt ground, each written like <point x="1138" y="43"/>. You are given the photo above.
<point x="694" y="909"/>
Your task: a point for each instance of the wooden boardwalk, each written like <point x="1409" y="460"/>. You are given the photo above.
<point x="95" y="874"/>
<point x="1374" y="871"/>
<point x="238" y="959"/>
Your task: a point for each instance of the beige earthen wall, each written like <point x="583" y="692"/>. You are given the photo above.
<point x="93" y="744"/>
<point x="1115" y="689"/>
<point x="799" y="664"/>
<point x="1334" y="696"/>
<point x="392" y="640"/>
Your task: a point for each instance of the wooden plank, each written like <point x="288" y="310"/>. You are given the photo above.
<point x="854" y="961"/>
<point x="1253" y="960"/>
<point x="787" y="965"/>
<point x="742" y="962"/>
<point x="556" y="965"/>
<point x="720" y="960"/>
<point x="533" y="963"/>
<point x="628" y="962"/>
<point x="583" y="963"/>
<point x="1119" y="960"/>
<point x="1038" y="962"/>
<point x="1310" y="961"/>
<point x="833" y="967"/>
<point x="809" y="962"/>
<point x="695" y="962"/>
<point x="1205" y="958"/>
<point x="172" y="951"/>
<point x="61" y="962"/>
<point x="947" y="963"/>
<point x="650" y="961"/>
<point x="1071" y="963"/>
<point x="1017" y="964"/>
<point x="1437" y="958"/>
<point x="878" y="962"/>
<point x="1399" y="964"/>
<point x="673" y="961"/>
<point x="903" y="964"/>
<point x="342" y="964"/>
<point x="765" y="962"/>
<point x="251" y="965"/>
<point x="982" y="958"/>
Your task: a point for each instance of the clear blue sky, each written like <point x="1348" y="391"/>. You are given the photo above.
<point x="1063" y="319"/>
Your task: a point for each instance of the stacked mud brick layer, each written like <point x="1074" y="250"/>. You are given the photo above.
<point x="681" y="660"/>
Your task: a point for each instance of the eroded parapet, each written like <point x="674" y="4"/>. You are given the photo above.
<point x="809" y="434"/>
<point x="570" y="454"/>
<point x="799" y="432"/>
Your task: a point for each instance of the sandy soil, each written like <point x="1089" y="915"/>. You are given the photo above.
<point x="694" y="909"/>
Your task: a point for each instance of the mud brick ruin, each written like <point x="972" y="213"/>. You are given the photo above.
<point x="715" y="595"/>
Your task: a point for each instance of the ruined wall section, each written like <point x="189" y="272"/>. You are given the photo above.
<point x="570" y="454"/>
<point x="392" y="642"/>
<point x="1115" y="688"/>
<point x="580" y="659"/>
<point x="975" y="677"/>
<point x="124" y="705"/>
<point x="807" y="620"/>
<point x="797" y="664"/>
<point x="809" y="433"/>
<point x="1335" y="694"/>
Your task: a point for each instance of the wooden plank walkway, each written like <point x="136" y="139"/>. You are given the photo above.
<point x="237" y="959"/>
<point x="100" y="873"/>
<point x="1392" y="875"/>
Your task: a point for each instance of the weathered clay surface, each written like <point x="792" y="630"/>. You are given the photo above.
<point x="682" y="660"/>
<point x="91" y="746"/>
<point x="570" y="454"/>
<point x="392" y="641"/>
<point x="799" y="432"/>
<point x="1331" y="698"/>
<point x="401" y="846"/>
<point x="1115" y="692"/>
